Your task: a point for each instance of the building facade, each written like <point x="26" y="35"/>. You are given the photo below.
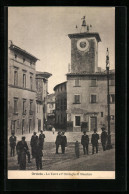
<point x="87" y="101"/>
<point x="50" y="110"/>
<point x="27" y="92"/>
<point x="61" y="106"/>
<point x="21" y="90"/>
<point x="41" y="99"/>
<point x="87" y="85"/>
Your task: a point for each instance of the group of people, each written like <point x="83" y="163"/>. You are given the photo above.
<point x="61" y="139"/>
<point x="37" y="146"/>
<point x="22" y="149"/>
<point x="94" y="142"/>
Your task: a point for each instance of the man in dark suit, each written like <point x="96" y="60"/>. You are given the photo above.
<point x="12" y="141"/>
<point x="104" y="137"/>
<point x="38" y="155"/>
<point x="58" y="141"/>
<point x="63" y="142"/>
<point x="33" y="143"/>
<point x="22" y="151"/>
<point x="41" y="139"/>
<point x="94" y="141"/>
<point x="85" y="142"/>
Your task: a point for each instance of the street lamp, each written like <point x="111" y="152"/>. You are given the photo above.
<point x="109" y="146"/>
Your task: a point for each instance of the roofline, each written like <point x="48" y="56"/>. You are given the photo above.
<point x="84" y="74"/>
<point x="14" y="47"/>
<point x="43" y="74"/>
<point x="59" y="85"/>
<point x="84" y="34"/>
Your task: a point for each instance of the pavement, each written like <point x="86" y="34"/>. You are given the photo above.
<point x="68" y="161"/>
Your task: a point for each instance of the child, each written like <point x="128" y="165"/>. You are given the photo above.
<point x="77" y="151"/>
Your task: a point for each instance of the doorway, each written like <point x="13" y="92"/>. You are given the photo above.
<point x="39" y="124"/>
<point x="30" y="125"/>
<point x="93" y="123"/>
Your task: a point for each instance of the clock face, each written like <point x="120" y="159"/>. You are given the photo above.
<point x="83" y="45"/>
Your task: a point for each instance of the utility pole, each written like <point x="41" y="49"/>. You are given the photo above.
<point x="109" y="146"/>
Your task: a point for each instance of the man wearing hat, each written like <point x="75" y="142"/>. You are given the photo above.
<point x="58" y="141"/>
<point x="12" y="141"/>
<point x="38" y="156"/>
<point x="104" y="138"/>
<point x="41" y="139"/>
<point x="33" y="143"/>
<point x="94" y="141"/>
<point x="63" y="142"/>
<point x="22" y="151"/>
<point x="85" y="142"/>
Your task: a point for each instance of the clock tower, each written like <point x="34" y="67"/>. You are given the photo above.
<point x="84" y="50"/>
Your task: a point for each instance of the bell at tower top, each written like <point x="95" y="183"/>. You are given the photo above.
<point x="85" y="31"/>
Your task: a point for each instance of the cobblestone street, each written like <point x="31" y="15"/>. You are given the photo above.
<point x="68" y="161"/>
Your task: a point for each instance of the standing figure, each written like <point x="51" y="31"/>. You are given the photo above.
<point x="58" y="141"/>
<point x="85" y="142"/>
<point x="77" y="151"/>
<point x="94" y="141"/>
<point x="12" y="141"/>
<point x="22" y="151"/>
<point x="33" y="143"/>
<point x="38" y="155"/>
<point x="41" y="139"/>
<point x="104" y="138"/>
<point x="63" y="142"/>
<point x="53" y="130"/>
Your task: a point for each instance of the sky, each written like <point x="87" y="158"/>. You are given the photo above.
<point x="43" y="32"/>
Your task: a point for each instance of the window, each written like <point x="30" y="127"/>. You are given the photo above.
<point x="13" y="125"/>
<point x="77" y="121"/>
<point x="77" y="99"/>
<point x="37" y="108"/>
<point x="101" y="114"/>
<point x="112" y="98"/>
<point x="93" y="98"/>
<point x="93" y="82"/>
<point x="15" y="56"/>
<point x="31" y="82"/>
<point x="18" y="125"/>
<point x="24" y="106"/>
<point x="15" y="105"/>
<point x="31" y="104"/>
<point x="24" y="80"/>
<point x="65" y="104"/>
<point x="15" y="77"/>
<point x="76" y="82"/>
<point x="23" y="60"/>
<point x="61" y="104"/>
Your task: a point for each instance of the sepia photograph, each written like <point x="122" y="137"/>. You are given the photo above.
<point x="61" y="92"/>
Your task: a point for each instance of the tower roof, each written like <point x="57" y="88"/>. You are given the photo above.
<point x="85" y="34"/>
